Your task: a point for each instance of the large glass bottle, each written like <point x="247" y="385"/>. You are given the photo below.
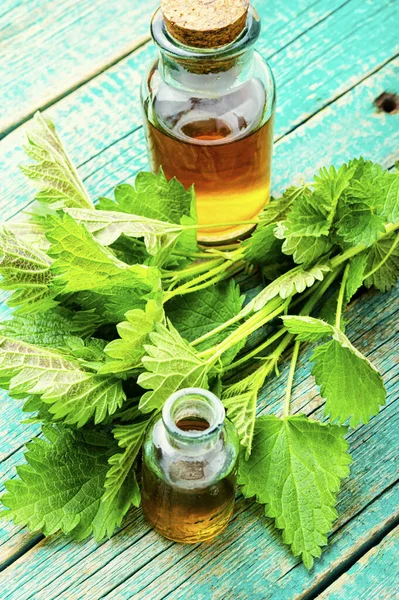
<point x="190" y="458"/>
<point x="209" y="122"/>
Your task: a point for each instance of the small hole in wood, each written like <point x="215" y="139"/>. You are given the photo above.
<point x="387" y="103"/>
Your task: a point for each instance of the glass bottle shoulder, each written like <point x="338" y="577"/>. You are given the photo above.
<point x="190" y="466"/>
<point x="216" y="114"/>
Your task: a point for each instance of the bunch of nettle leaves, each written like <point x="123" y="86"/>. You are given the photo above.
<point x="117" y="308"/>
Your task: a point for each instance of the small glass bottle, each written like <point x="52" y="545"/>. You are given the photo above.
<point x="209" y="102"/>
<point x="189" y="468"/>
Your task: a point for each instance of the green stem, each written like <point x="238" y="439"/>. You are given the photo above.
<point x="229" y="271"/>
<point x="290" y="381"/>
<point x="255" y="322"/>
<point x="195" y="269"/>
<point x="341" y="297"/>
<point x="256" y="351"/>
<point x="383" y="261"/>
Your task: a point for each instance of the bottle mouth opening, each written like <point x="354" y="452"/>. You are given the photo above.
<point x="178" y="50"/>
<point x="193" y="414"/>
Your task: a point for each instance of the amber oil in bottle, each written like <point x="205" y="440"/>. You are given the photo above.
<point x="189" y="468"/>
<point x="209" y="122"/>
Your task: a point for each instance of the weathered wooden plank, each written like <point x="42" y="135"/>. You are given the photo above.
<point x="375" y="575"/>
<point x="49" y="48"/>
<point x="106" y="110"/>
<point x="250" y="546"/>
<point x="87" y="38"/>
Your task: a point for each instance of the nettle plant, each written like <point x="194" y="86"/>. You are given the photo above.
<point x="116" y="307"/>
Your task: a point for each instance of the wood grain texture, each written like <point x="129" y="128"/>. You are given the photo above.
<point x="97" y="120"/>
<point x="375" y="573"/>
<point x="249" y="558"/>
<point x="323" y="54"/>
<point x="50" y="47"/>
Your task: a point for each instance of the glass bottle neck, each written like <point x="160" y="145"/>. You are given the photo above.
<point x="207" y="78"/>
<point x="208" y="70"/>
<point x="193" y="419"/>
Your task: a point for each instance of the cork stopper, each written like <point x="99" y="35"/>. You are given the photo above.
<point x="205" y="23"/>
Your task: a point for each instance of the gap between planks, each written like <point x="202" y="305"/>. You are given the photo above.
<point x="130" y="49"/>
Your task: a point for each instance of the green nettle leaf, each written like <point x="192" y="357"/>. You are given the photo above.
<point x="295" y="470"/>
<point x="160" y="237"/>
<point x="130" y="438"/>
<point x="307" y="217"/>
<point x="263" y="248"/>
<point x="58" y="179"/>
<point x="154" y="197"/>
<point x="304" y="250"/>
<point x="51" y="328"/>
<point x="362" y="218"/>
<point x="292" y="282"/>
<point x="62" y="485"/>
<point x="75" y="395"/>
<point x="386" y="276"/>
<point x="198" y="313"/>
<point x="30" y="233"/>
<point x="389" y="183"/>
<point x="134" y="333"/>
<point x="307" y="329"/>
<point x="81" y="263"/>
<point x="27" y="271"/>
<point x="171" y="364"/>
<point x="357" y="268"/>
<point x="276" y="210"/>
<point x="330" y="185"/>
<point x="352" y="386"/>
<point x="240" y="399"/>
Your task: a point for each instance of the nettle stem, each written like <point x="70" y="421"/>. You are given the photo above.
<point x="269" y="312"/>
<point x="288" y="391"/>
<point x="341" y="294"/>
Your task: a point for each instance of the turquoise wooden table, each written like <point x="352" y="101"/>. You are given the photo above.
<point x="81" y="63"/>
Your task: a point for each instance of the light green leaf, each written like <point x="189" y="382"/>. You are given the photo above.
<point x="357" y="268"/>
<point x="385" y="253"/>
<point x="81" y="263"/>
<point x="240" y="400"/>
<point x="276" y="210"/>
<point x="107" y="227"/>
<point x="60" y="184"/>
<point x="305" y="250"/>
<point x="130" y="437"/>
<point x="307" y="217"/>
<point x="75" y="395"/>
<point x="353" y="388"/>
<point x="263" y="248"/>
<point x="389" y="183"/>
<point x="134" y="333"/>
<point x="27" y="271"/>
<point x="171" y="364"/>
<point x="295" y="470"/>
<point x="307" y="329"/>
<point x="50" y="328"/>
<point x="330" y="185"/>
<point x="198" y="313"/>
<point x="30" y="233"/>
<point x="62" y="485"/>
<point x="154" y="197"/>
<point x="292" y="282"/>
